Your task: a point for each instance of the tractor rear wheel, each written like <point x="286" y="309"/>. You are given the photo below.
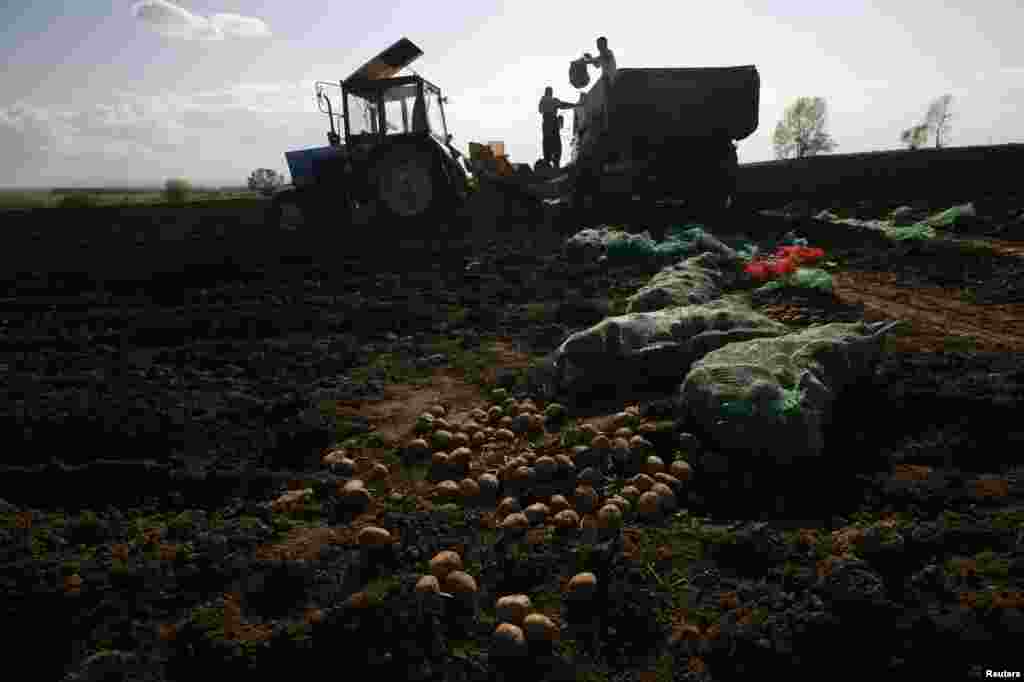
<point x="410" y="183"/>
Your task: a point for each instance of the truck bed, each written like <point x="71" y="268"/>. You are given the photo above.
<point x="665" y="104"/>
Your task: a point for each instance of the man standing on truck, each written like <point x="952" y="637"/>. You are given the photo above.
<point x="605" y="60"/>
<point x="550" y="128"/>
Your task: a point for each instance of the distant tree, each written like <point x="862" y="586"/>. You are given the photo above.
<point x="801" y="132"/>
<point x="176" y="190"/>
<point x="915" y="137"/>
<point x="938" y="118"/>
<point x="265" y="181"/>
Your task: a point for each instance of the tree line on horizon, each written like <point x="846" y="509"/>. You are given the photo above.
<point x="802" y="130"/>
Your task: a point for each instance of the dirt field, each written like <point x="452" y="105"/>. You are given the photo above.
<point x="154" y="420"/>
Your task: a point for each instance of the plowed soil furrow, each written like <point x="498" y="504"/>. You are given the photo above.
<point x="935" y="313"/>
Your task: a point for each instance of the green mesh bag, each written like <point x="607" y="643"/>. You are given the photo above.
<point x="915" y="232"/>
<point x="787" y="406"/>
<point x="631" y="246"/>
<point x="951" y="216"/>
<point x="804" y="278"/>
<point x="813" y="278"/>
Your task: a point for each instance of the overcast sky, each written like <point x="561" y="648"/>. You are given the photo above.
<point x="108" y="92"/>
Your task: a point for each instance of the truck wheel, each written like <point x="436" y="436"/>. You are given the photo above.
<point x="410" y="184"/>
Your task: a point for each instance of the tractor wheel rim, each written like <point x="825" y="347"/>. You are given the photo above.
<point x="407" y="188"/>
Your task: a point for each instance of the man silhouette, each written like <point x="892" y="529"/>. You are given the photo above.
<point x="605" y="60"/>
<point x="551" y="126"/>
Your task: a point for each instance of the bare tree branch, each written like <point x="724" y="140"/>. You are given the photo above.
<point x="938" y="118"/>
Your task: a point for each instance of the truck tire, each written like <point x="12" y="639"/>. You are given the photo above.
<point x="410" y="183"/>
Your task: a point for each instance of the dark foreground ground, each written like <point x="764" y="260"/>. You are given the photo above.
<point x="149" y="424"/>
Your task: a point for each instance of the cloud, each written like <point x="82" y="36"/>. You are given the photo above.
<point x="26" y="140"/>
<point x="220" y="133"/>
<point x="173" y="21"/>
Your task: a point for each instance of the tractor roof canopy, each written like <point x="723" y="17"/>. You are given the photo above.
<point x="386" y="64"/>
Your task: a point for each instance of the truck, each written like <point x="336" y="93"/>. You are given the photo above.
<point x="662" y="134"/>
<point x="393" y="156"/>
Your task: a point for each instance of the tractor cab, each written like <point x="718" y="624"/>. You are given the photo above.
<point x="375" y="110"/>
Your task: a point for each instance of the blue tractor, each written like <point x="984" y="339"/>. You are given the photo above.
<point x="392" y="160"/>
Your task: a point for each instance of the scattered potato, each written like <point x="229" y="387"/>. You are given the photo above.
<point x="373" y="536"/>
<point x="428" y="584"/>
<point x="582" y="587"/>
<point x="332" y="457"/>
<point x="546" y="466"/>
<point x="558" y="503"/>
<point x="630" y="492"/>
<point x="461" y="457"/>
<point x="642" y="482"/>
<point x="508" y="505"/>
<point x="446" y="490"/>
<point x="444" y="563"/>
<point x="513" y="608"/>
<point x="681" y="470"/>
<point x="649" y="504"/>
<point x="586" y="498"/>
<point x="418" y="448"/>
<point x="666" y="494"/>
<point x="509" y="641"/>
<point x="539" y="628"/>
<point x="459" y="582"/>
<point x="537" y="513"/>
<point x="516" y="522"/>
<point x="469" y="489"/>
<point x="610" y="517"/>
<point x="567" y="519"/>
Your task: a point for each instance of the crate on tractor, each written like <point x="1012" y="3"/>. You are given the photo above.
<point x="392" y="160"/>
